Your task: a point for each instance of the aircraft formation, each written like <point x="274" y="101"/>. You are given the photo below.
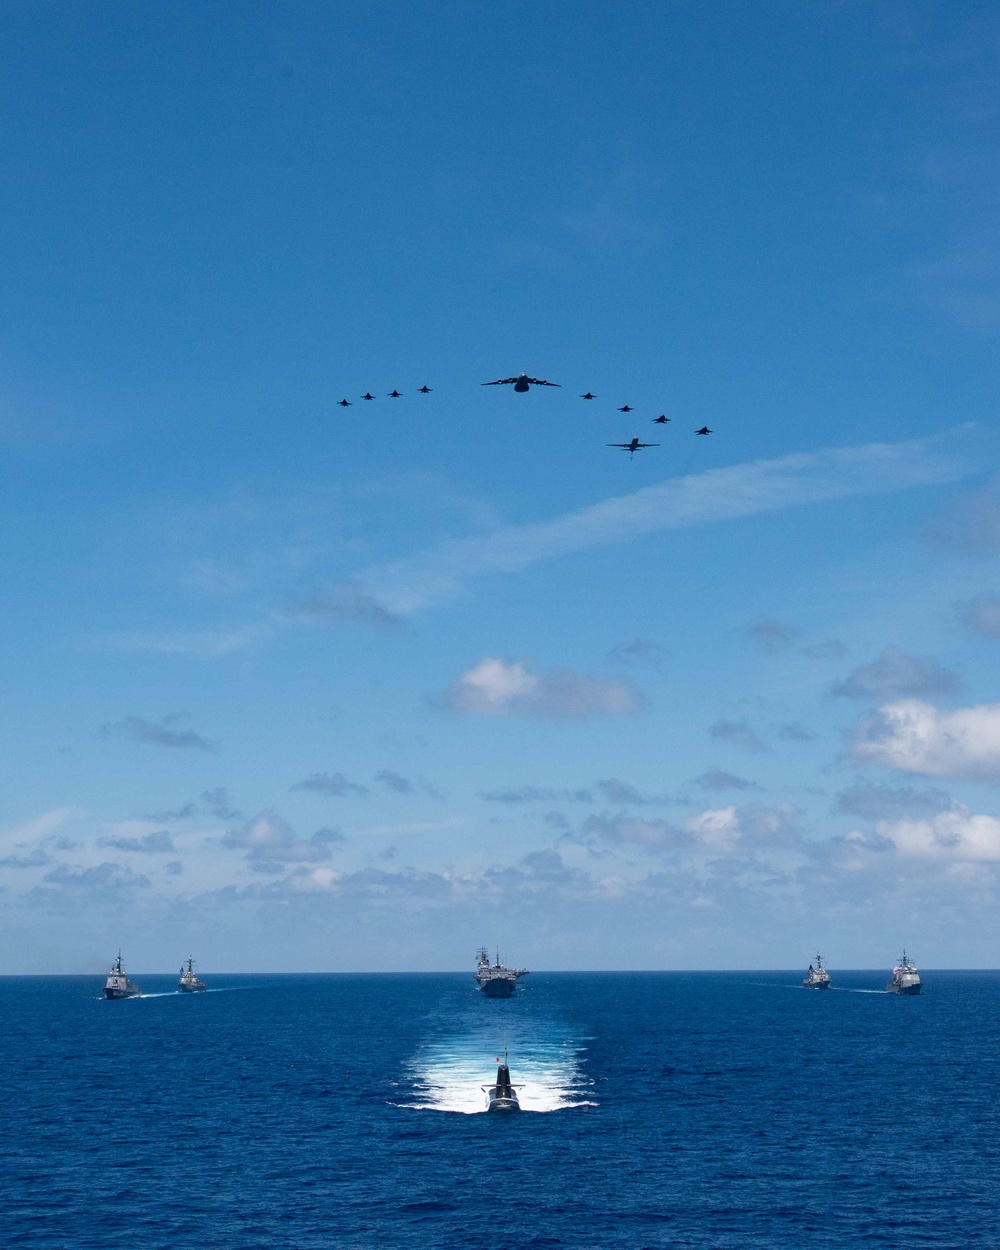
<point x="521" y="383"/>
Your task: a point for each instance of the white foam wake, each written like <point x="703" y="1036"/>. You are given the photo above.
<point x="449" y="1075"/>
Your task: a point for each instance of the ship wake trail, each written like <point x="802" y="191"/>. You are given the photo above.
<point x="448" y="1075"/>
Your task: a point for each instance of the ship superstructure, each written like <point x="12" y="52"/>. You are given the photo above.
<point x="495" y="980"/>
<point x="189" y="982"/>
<point x="118" y="985"/>
<point x="905" y="977"/>
<point x="817" y="978"/>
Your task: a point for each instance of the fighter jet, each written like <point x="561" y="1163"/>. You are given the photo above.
<point x="344" y="403"/>
<point x="425" y="390"/>
<point x="625" y="409"/>
<point x="588" y="396"/>
<point x="704" y="430"/>
<point x="632" y="447"/>
<point x="521" y="383"/>
<point x="660" y="420"/>
<point x="394" y="395"/>
<point x="367" y="395"/>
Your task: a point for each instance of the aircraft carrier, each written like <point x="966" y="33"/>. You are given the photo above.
<point x="495" y="980"/>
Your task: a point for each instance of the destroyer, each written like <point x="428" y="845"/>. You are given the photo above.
<point x="189" y="982"/>
<point x="502" y="1096"/>
<point x="118" y="985"/>
<point x="817" y="978"/>
<point x="905" y="978"/>
<point x="495" y="980"/>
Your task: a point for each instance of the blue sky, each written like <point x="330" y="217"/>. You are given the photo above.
<point x="294" y="686"/>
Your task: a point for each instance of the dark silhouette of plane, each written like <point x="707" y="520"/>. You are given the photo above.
<point x="704" y="430"/>
<point x="344" y="403"/>
<point x="625" y="409"/>
<point x="588" y="396"/>
<point x="660" y="420"/>
<point x="425" y="390"/>
<point x="367" y="395"/>
<point x="632" y="447"/>
<point x="394" y="395"/>
<point x="521" y="383"/>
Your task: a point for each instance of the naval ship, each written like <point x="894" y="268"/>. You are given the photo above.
<point x="905" y="978"/>
<point x="118" y="985"/>
<point x="189" y="982"/>
<point x="495" y="980"/>
<point x="817" y="978"/>
<point x="502" y="1096"/>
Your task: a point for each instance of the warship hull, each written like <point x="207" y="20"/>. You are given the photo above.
<point x="193" y="989"/>
<point x="498" y="987"/>
<point x="908" y="990"/>
<point x="131" y="992"/>
<point x="815" y="985"/>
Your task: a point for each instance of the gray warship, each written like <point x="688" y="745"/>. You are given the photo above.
<point x="189" y="982"/>
<point x="495" y="980"/>
<point x="905" y="978"/>
<point x="502" y="1096"/>
<point x="817" y="978"/>
<point x="118" y="985"/>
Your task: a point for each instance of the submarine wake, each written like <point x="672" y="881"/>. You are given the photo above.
<point x="449" y="1075"/>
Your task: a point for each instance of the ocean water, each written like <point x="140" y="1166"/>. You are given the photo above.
<point x="701" y="1110"/>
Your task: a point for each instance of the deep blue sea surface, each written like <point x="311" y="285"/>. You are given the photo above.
<point x="662" y="1110"/>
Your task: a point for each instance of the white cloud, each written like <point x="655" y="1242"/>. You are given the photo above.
<point x="717" y="829"/>
<point x="958" y="835"/>
<point x="313" y="880"/>
<point x="746" y="829"/>
<point x="496" y="687"/>
<point x="914" y="737"/>
<point x="270" y="840"/>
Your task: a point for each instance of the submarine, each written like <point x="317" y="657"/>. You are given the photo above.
<point x="502" y="1096"/>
